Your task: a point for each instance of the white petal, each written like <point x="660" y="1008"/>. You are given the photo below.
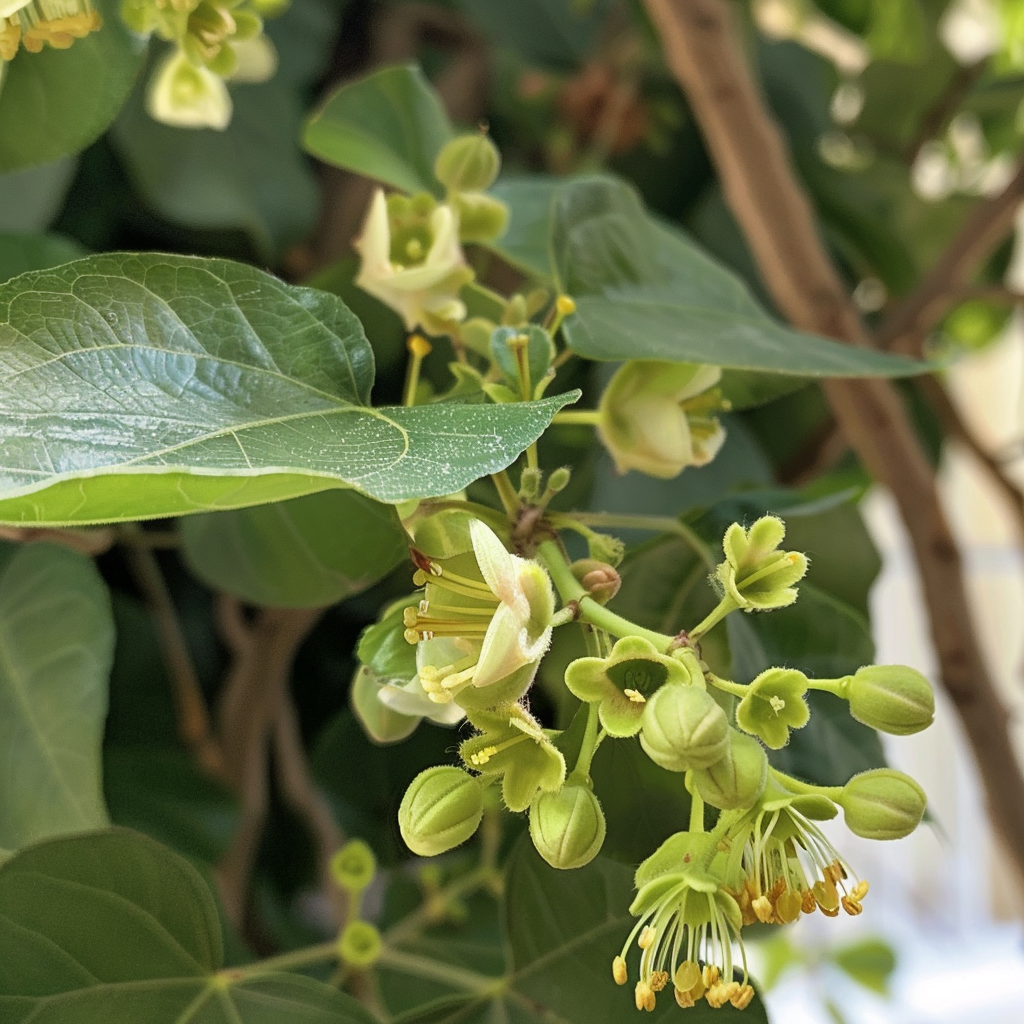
<point x="705" y="377"/>
<point x="9" y="7"/>
<point x="374" y="243"/>
<point x="186" y="96"/>
<point x="502" y="651"/>
<point x="496" y="564"/>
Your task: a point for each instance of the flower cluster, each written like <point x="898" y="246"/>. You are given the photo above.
<point x="213" y="41"/>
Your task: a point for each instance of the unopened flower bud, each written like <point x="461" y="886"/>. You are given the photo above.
<point x="441" y="809"/>
<point x="893" y="698"/>
<point x="529" y="484"/>
<point x="559" y="479"/>
<point x="882" y="804"/>
<point x="599" y="579"/>
<point x="684" y="728"/>
<point x="354" y="866"/>
<point x="606" y="548"/>
<point x="469" y="163"/>
<point x="567" y="827"/>
<point x="482" y="218"/>
<point x="360" y="944"/>
<point x="738" y="779"/>
<point x="516" y="311"/>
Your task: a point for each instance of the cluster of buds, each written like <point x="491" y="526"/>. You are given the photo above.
<point x="213" y="41"/>
<point x="33" y="24"/>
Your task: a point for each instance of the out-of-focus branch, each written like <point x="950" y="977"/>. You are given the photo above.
<point x="906" y="328"/>
<point x="254" y="694"/>
<point x="702" y="50"/>
<point x="938" y="116"/>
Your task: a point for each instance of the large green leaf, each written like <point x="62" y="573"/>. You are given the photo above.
<point x="21" y="253"/>
<point x="643" y="290"/>
<point x="58" y="101"/>
<point x="56" y="649"/>
<point x="388" y="126"/>
<point x="145" y="386"/>
<point x="114" y="927"/>
<point x="307" y="552"/>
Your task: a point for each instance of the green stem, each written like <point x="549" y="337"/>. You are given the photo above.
<point x="696" y="805"/>
<point x="434" y="970"/>
<point x="562" y="617"/>
<point x="419" y="348"/>
<point x="796" y="786"/>
<point x="507" y="493"/>
<point x="570" y="589"/>
<point x="589" y="745"/>
<point x="582" y="417"/>
<point x="736" y="689"/>
<point x="410" y="925"/>
<point x="723" y="608"/>
<point x="653" y="524"/>
<point x="293" y="961"/>
<point x="839" y="687"/>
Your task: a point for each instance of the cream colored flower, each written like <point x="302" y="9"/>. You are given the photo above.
<point x="185" y="95"/>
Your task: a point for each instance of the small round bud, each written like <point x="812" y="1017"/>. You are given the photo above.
<point x="360" y="944"/>
<point x="565" y="305"/>
<point x="599" y="579"/>
<point x="893" y="698"/>
<point x="882" y="804"/>
<point x="482" y="218"/>
<point x="567" y="827"/>
<point x="529" y="483"/>
<point x="441" y="809"/>
<point x="516" y="311"/>
<point x="606" y="548"/>
<point x="738" y="779"/>
<point x="354" y="866"/>
<point x="559" y="479"/>
<point x="684" y="728"/>
<point x="469" y="163"/>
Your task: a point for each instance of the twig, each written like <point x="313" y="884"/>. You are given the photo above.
<point x="702" y="50"/>
<point x="945" y="107"/>
<point x="194" y="726"/>
<point x="906" y="327"/>
<point x="252" y="698"/>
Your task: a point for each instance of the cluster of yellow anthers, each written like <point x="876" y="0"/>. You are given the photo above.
<point x="782" y="903"/>
<point x="32" y="24"/>
<point x="431" y="618"/>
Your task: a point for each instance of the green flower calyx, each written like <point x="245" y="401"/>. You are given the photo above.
<point x="441" y="808"/>
<point x="756" y="575"/>
<point x="882" y="804"/>
<point x="567" y="827"/>
<point x="623" y="683"/>
<point x="773" y="704"/>
<point x="682" y="727"/>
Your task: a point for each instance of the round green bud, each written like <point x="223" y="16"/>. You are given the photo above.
<point x="441" y="809"/>
<point x="559" y="479"/>
<point x="683" y="727"/>
<point x="567" y="827"/>
<point x="738" y="779"/>
<point x="599" y="579"/>
<point x="482" y="218"/>
<point x="360" y="944"/>
<point x="882" y="804"/>
<point x="354" y="866"/>
<point x="893" y="698"/>
<point x="469" y="163"/>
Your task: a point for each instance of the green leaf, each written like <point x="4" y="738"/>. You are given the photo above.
<point x="871" y="962"/>
<point x="58" y="101"/>
<point x="56" y="649"/>
<point x="21" y="253"/>
<point x="30" y="199"/>
<point x="113" y="926"/>
<point x="159" y="790"/>
<point x="200" y="385"/>
<point x="388" y="126"/>
<point x="643" y="290"/>
<point x="304" y="553"/>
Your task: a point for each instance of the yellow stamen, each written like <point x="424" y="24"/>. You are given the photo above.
<point x="619" y="972"/>
<point x="851" y="906"/>
<point x="741" y="999"/>
<point x="418" y="346"/>
<point x="644" y="997"/>
<point x="647" y="937"/>
<point x="659" y="979"/>
<point x="635" y="696"/>
<point x="763" y="909"/>
<point x="565" y="305"/>
<point x="483" y="756"/>
<point x="777" y="704"/>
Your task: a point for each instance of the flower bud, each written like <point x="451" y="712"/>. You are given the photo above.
<point x="684" y="728"/>
<point x="738" y="779"/>
<point x="482" y="218"/>
<point x="354" y="866"/>
<point x="360" y="944"/>
<point x="469" y="163"/>
<point x="606" y="548"/>
<point x="882" y="804"/>
<point x="441" y="809"/>
<point x="559" y="479"/>
<point x="567" y="827"/>
<point x="893" y="698"/>
<point x="599" y="579"/>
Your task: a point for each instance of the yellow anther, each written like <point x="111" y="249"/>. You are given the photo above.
<point x="647" y="937"/>
<point x="483" y="756"/>
<point x="711" y="975"/>
<point x="659" y="979"/>
<point x="412" y="637"/>
<point x="741" y="999"/>
<point x="418" y="346"/>
<point x="808" y="903"/>
<point x="763" y="909"/>
<point x="684" y="999"/>
<point x="635" y="696"/>
<point x="777" y="704"/>
<point x="619" y="972"/>
<point x="643" y="996"/>
<point x="788" y="906"/>
<point x="860" y="890"/>
<point x="827" y="897"/>
<point x="851" y="906"/>
<point x="565" y="305"/>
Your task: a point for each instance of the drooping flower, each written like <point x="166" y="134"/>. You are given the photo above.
<point x="787" y="863"/>
<point x="412" y="261"/>
<point x="187" y="95"/>
<point x="622" y="683"/>
<point x="756" y="575"/>
<point x="660" y="417"/>
<point x="773" y="704"/>
<point x="497" y="611"/>
<point x="687" y="925"/>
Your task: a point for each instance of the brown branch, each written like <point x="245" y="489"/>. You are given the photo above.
<point x="701" y="49"/>
<point x="938" y="116"/>
<point x="906" y="328"/>
<point x="193" y="719"/>
<point x="253" y="695"/>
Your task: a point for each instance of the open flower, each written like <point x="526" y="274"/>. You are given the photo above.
<point x="187" y="95"/>
<point x="412" y="261"/>
<point x="756" y="575"/>
<point x="787" y="863"/>
<point x="660" y="417"/>
<point x="687" y="924"/>
<point x="773" y="704"/>
<point x="623" y="682"/>
<point x="498" y="611"/>
<point x="35" y="23"/>
<point x="513" y="744"/>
